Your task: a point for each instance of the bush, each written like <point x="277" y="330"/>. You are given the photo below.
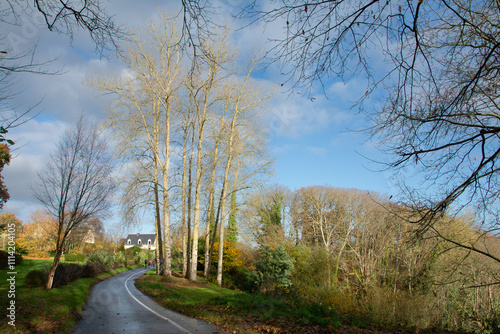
<point x="70" y="257"/>
<point x="142" y="255"/>
<point x="273" y="270"/>
<point x="74" y="257"/>
<point x="119" y="259"/>
<point x="93" y="269"/>
<point x="4" y="259"/>
<point x="243" y="279"/>
<point x="36" y="278"/>
<point x="67" y="273"/>
<point x="21" y="250"/>
<point x="102" y="257"/>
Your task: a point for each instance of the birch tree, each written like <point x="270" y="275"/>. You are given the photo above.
<point x="207" y="75"/>
<point x="148" y="95"/>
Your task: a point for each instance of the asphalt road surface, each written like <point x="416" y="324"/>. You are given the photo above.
<point x="116" y="306"/>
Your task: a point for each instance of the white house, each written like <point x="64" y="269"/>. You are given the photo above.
<point x="144" y="241"/>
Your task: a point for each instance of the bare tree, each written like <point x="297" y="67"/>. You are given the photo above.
<point x="77" y="183"/>
<point x="149" y="97"/>
<point x="207" y="75"/>
<point x="439" y="77"/>
<point x="243" y="99"/>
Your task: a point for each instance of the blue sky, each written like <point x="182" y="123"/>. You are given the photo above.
<point x="310" y="139"/>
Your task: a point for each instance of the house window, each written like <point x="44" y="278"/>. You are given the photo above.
<point x="139" y="242"/>
<point x="149" y="241"/>
<point x="128" y="242"/>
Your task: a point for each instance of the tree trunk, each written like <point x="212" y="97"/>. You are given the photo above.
<point x="159" y="243"/>
<point x="183" y="218"/>
<point x="210" y="216"/>
<point x="196" y="210"/>
<point x="166" y="203"/>
<point x="166" y="225"/>
<point x="214" y="234"/>
<point x="221" y="232"/>
<point x="189" y="232"/>
<point x="57" y="259"/>
<point x="223" y="197"/>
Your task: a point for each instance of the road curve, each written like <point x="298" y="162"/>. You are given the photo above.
<point x="116" y="306"/>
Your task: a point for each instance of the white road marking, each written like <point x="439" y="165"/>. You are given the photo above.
<point x="149" y="309"/>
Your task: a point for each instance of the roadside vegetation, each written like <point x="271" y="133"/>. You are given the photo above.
<point x="237" y="311"/>
<point x="325" y="259"/>
<point x="39" y="310"/>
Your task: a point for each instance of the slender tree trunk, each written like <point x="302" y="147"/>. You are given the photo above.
<point x="189" y="231"/>
<point x="183" y="218"/>
<point x="196" y="209"/>
<point x="206" y="271"/>
<point x="159" y="244"/>
<point x="166" y="204"/>
<point x="57" y="258"/>
<point x="166" y="225"/>
<point x="214" y="234"/>
<point x="221" y="233"/>
<point x="210" y="215"/>
<point x="223" y="196"/>
<point x="52" y="271"/>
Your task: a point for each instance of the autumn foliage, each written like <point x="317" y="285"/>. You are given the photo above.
<point x="39" y="235"/>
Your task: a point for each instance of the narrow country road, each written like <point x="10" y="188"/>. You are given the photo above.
<point x="116" y="306"/>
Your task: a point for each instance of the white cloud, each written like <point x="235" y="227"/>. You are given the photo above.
<point x="295" y="117"/>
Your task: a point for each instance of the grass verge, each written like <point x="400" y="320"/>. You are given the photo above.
<point x="238" y="312"/>
<point x="45" y="311"/>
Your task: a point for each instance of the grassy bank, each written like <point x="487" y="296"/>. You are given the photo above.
<point x="45" y="311"/>
<point x="238" y="311"/>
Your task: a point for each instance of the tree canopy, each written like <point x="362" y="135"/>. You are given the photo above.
<point x="432" y="64"/>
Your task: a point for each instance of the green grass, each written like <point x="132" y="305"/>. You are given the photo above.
<point x="238" y="311"/>
<point x="46" y="311"/>
<point x="22" y="270"/>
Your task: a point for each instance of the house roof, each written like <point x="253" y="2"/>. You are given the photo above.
<point x="134" y="238"/>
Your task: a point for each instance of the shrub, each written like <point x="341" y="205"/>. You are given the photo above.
<point x="4" y="259"/>
<point x="103" y="257"/>
<point x="119" y="259"/>
<point x="67" y="273"/>
<point x="142" y="255"/>
<point x="21" y="250"/>
<point x="273" y="270"/>
<point x="70" y="257"/>
<point x="93" y="269"/>
<point x="231" y="257"/>
<point x="243" y="279"/>
<point x="74" y="257"/>
<point x="36" y="278"/>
